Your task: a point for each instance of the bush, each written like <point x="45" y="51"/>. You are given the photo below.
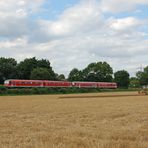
<point x="3" y="89"/>
<point x="48" y="90"/>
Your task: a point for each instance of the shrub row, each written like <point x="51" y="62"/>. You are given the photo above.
<point x="28" y="91"/>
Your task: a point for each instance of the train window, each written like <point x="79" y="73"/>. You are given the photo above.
<point x="13" y="83"/>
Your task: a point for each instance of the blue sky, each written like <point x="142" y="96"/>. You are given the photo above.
<point x="74" y="33"/>
<point x="52" y="8"/>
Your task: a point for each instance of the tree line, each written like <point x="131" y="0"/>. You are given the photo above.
<point x="40" y="69"/>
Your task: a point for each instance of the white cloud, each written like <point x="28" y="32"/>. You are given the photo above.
<point x="14" y="16"/>
<point x="75" y="20"/>
<point x="125" y="23"/>
<point x="13" y="43"/>
<point x="12" y="27"/>
<point x="121" y="5"/>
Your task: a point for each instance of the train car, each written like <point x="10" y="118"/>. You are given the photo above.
<point x="23" y="83"/>
<point x="57" y="84"/>
<point x="95" y="84"/>
<point x="46" y="83"/>
<point x="106" y="85"/>
<point x="36" y="83"/>
<point x="85" y="84"/>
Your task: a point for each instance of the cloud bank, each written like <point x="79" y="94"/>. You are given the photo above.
<point x="88" y="31"/>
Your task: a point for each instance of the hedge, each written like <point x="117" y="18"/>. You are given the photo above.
<point x="28" y="91"/>
<point x="56" y="90"/>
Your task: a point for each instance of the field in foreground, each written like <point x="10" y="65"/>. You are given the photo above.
<point x="109" y="120"/>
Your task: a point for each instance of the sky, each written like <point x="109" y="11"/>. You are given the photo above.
<point x="73" y="33"/>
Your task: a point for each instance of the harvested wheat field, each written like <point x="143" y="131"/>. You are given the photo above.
<point x="103" y="120"/>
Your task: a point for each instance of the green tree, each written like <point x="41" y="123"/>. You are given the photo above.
<point x="7" y="69"/>
<point x="122" y="78"/>
<point x="143" y="76"/>
<point x="75" y="75"/>
<point x="26" y="67"/>
<point x="44" y="63"/>
<point x="61" y="77"/>
<point x="134" y="82"/>
<point x="99" y="72"/>
<point x="40" y="74"/>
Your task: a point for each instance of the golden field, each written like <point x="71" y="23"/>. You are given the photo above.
<point x="103" y="120"/>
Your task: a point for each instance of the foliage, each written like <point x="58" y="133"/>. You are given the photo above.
<point x="44" y="63"/>
<point x="134" y="82"/>
<point x="2" y="89"/>
<point x="143" y="76"/>
<point x="26" y="67"/>
<point x="99" y="72"/>
<point x="122" y="78"/>
<point x="7" y="69"/>
<point x="95" y="72"/>
<point x="43" y="90"/>
<point x="75" y="75"/>
<point x="40" y="74"/>
<point x="61" y="77"/>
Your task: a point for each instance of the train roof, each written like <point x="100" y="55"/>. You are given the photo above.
<point x="34" y="80"/>
<point x="93" y="82"/>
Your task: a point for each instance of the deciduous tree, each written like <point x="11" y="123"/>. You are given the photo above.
<point x="75" y="75"/>
<point x="122" y="78"/>
<point x="143" y="76"/>
<point x="134" y="82"/>
<point x="61" y="77"/>
<point x="26" y="67"/>
<point x="99" y="72"/>
<point x="7" y="69"/>
<point x="40" y="74"/>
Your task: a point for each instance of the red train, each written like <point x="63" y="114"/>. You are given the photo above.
<point x="47" y="83"/>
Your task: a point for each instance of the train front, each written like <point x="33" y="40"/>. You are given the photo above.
<point x="7" y="83"/>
